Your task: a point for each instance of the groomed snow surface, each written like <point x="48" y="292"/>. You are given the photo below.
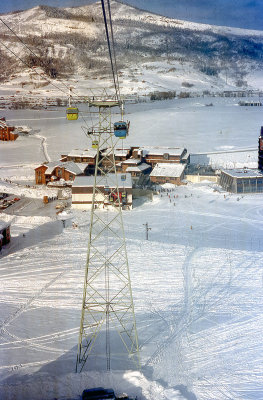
<point x="197" y="282"/>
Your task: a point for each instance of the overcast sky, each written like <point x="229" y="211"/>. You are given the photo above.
<point x="239" y="13"/>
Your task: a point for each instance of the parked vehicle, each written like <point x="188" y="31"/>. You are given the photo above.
<point x="98" y="394"/>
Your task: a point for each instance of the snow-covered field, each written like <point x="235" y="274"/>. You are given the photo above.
<point x="175" y="123"/>
<point x="197" y="282"/>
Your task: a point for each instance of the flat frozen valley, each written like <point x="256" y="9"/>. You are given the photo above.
<point x="197" y="282"/>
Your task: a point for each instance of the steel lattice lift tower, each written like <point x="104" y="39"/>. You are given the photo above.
<point x="108" y="326"/>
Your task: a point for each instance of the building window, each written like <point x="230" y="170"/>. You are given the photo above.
<point x="39" y="177"/>
<point x="59" y="173"/>
<point x="239" y="186"/>
<point x="253" y="185"/>
<point x="246" y="185"/>
<point x="260" y="185"/>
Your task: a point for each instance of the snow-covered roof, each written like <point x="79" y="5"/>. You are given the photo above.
<point x="50" y="166"/>
<point x="83" y="153"/>
<point x="3" y="124"/>
<point x="109" y="180"/>
<point x="117" y="152"/>
<point x="131" y="161"/>
<point x="82" y="166"/>
<point x="244" y="173"/>
<point x="160" y="151"/>
<point x="185" y="156"/>
<point x="4" y="225"/>
<point x="168" y="170"/>
<point x="70" y="166"/>
<point x="138" y="168"/>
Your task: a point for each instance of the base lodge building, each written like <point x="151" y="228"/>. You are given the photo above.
<point x="82" y="191"/>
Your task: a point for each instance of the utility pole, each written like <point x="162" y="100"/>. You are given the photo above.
<point x="147" y="229"/>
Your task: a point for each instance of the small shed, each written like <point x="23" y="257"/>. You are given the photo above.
<point x="167" y="173"/>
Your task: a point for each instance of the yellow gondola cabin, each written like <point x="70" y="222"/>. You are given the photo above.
<point x="72" y="113"/>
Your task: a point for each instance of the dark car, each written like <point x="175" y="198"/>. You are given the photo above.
<point x="98" y="394"/>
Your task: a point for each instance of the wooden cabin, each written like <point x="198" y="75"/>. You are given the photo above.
<point x="81" y="156"/>
<point x="167" y="173"/>
<point x="54" y="171"/>
<point x="157" y="155"/>
<point x="119" y="154"/>
<point x="7" y="133"/>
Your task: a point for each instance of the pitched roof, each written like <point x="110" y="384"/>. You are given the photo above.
<point x="117" y="152"/>
<point x="83" y="153"/>
<point x="160" y="151"/>
<point x="139" y="168"/>
<point x="106" y="180"/>
<point x="70" y="166"/>
<point x="132" y="161"/>
<point x="168" y="170"/>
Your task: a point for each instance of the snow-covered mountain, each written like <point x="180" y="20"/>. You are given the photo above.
<point x="154" y="53"/>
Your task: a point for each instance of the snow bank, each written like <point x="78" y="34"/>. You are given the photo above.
<point x="46" y="387"/>
<point x="37" y="192"/>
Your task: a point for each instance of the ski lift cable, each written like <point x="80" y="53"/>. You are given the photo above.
<point x="109" y="47"/>
<point x="39" y="74"/>
<point x="28" y="48"/>
<point x="24" y="62"/>
<point x="113" y="47"/>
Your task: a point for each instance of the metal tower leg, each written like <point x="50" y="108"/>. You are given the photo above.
<point x="107" y="305"/>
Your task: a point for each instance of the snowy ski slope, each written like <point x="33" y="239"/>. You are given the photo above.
<point x="197" y="283"/>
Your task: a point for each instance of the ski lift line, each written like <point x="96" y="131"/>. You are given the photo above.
<point x="113" y="47"/>
<point x="109" y="47"/>
<point x="39" y="74"/>
<point x="28" y="48"/>
<point x="24" y="62"/>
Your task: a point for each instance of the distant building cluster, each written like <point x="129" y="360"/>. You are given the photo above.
<point x="141" y="163"/>
<point x="135" y="167"/>
<point x="7" y="133"/>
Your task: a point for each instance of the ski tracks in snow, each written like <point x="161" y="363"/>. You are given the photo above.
<point x="25" y="306"/>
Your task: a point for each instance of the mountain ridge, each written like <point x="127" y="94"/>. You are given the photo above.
<point x="73" y="40"/>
